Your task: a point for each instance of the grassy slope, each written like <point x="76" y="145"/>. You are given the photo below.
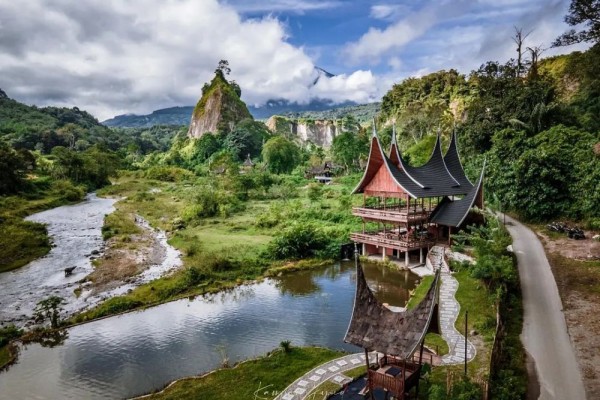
<point x="273" y="373"/>
<point x="4" y="356"/>
<point x="207" y="242"/>
<point x="21" y="241"/>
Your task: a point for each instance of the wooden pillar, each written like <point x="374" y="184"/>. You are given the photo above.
<point x="364" y="250"/>
<point x="383" y="255"/>
<point x="368" y="380"/>
<point x="406" y="258"/>
<point x="449" y="235"/>
<point x="403" y="379"/>
<point x="421" y="255"/>
<point x="420" y="363"/>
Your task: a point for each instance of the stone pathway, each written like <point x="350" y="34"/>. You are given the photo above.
<point x="330" y="371"/>
<point x="449" y="309"/>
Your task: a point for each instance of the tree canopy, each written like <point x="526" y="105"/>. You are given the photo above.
<point x="586" y="15"/>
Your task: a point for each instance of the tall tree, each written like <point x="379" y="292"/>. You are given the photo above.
<point x="519" y="39"/>
<point x="281" y="155"/>
<point x="587" y="14"/>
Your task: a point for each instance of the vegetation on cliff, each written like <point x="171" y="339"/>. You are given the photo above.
<point x="536" y="124"/>
<point x="220" y="108"/>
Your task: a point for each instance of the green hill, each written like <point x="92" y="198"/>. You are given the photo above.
<point x="538" y="129"/>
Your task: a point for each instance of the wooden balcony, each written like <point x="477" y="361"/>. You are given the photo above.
<point x="392" y="214"/>
<point x="405" y="377"/>
<point x="393" y="240"/>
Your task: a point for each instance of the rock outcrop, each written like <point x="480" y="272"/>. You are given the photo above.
<point x="319" y="132"/>
<point x="219" y="108"/>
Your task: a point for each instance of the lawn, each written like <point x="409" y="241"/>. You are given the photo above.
<point x="262" y="378"/>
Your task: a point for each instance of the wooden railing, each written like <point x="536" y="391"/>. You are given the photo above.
<point x="391" y="214"/>
<point x="392" y="241"/>
<point x="394" y="385"/>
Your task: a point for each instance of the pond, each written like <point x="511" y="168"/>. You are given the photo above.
<point x="139" y="352"/>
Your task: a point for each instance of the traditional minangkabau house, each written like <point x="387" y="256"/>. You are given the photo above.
<point x="413" y="207"/>
<point x="398" y="335"/>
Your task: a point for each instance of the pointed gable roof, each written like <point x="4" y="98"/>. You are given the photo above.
<point x="375" y="327"/>
<point x="453" y="213"/>
<point x="377" y="159"/>
<point x="434" y="173"/>
<point x="432" y="179"/>
<point x="452" y="161"/>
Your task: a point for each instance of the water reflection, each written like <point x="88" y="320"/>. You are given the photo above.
<point x="139" y="352"/>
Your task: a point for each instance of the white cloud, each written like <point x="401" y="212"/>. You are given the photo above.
<point x="360" y="86"/>
<point x="112" y="57"/>
<point x="377" y="43"/>
<point x="388" y="11"/>
<point x="293" y="6"/>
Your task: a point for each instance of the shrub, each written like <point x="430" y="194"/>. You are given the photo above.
<point x="315" y="191"/>
<point x="8" y="333"/>
<point x="68" y="191"/>
<point x="169" y="174"/>
<point x="286" y="345"/>
<point x="298" y="241"/>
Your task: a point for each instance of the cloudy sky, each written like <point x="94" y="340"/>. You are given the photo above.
<point x="114" y="56"/>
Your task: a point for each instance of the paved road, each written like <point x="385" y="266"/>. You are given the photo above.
<point x="544" y="335"/>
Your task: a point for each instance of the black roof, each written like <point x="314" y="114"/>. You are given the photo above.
<point x="453" y="213"/>
<point x="375" y="327"/>
<point x="452" y="161"/>
<point x="434" y="178"/>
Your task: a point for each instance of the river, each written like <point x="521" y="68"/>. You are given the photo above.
<point x="138" y="352"/>
<point x="75" y="231"/>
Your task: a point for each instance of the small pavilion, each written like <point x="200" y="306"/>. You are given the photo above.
<point x="398" y="335"/>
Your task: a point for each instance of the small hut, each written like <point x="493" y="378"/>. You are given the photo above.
<point x="247" y="165"/>
<point x="398" y="335"/>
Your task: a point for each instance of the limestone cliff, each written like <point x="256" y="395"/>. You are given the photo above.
<point x="218" y="109"/>
<point x="319" y="132"/>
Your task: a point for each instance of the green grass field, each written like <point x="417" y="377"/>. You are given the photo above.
<point x="264" y="377"/>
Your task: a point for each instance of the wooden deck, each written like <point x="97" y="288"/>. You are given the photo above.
<point x="392" y="214"/>
<point x="392" y="240"/>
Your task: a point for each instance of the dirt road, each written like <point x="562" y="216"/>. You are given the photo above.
<point x="544" y="335"/>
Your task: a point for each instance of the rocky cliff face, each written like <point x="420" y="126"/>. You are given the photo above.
<point x="219" y="108"/>
<point x="319" y="132"/>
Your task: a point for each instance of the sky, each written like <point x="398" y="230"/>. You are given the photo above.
<point x="113" y="57"/>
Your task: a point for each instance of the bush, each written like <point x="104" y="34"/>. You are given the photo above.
<point x="286" y="345"/>
<point x="169" y="174"/>
<point x="298" y="241"/>
<point x="209" y="203"/>
<point x="8" y="333"/>
<point x="68" y="191"/>
<point x="315" y="191"/>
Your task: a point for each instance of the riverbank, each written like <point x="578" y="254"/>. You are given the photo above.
<point x="261" y="378"/>
<point x="23" y="241"/>
<point x="219" y="252"/>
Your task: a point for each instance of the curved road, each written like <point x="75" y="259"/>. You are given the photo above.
<point x="544" y="335"/>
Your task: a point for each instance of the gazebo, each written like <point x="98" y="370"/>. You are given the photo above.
<point x="398" y="335"/>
